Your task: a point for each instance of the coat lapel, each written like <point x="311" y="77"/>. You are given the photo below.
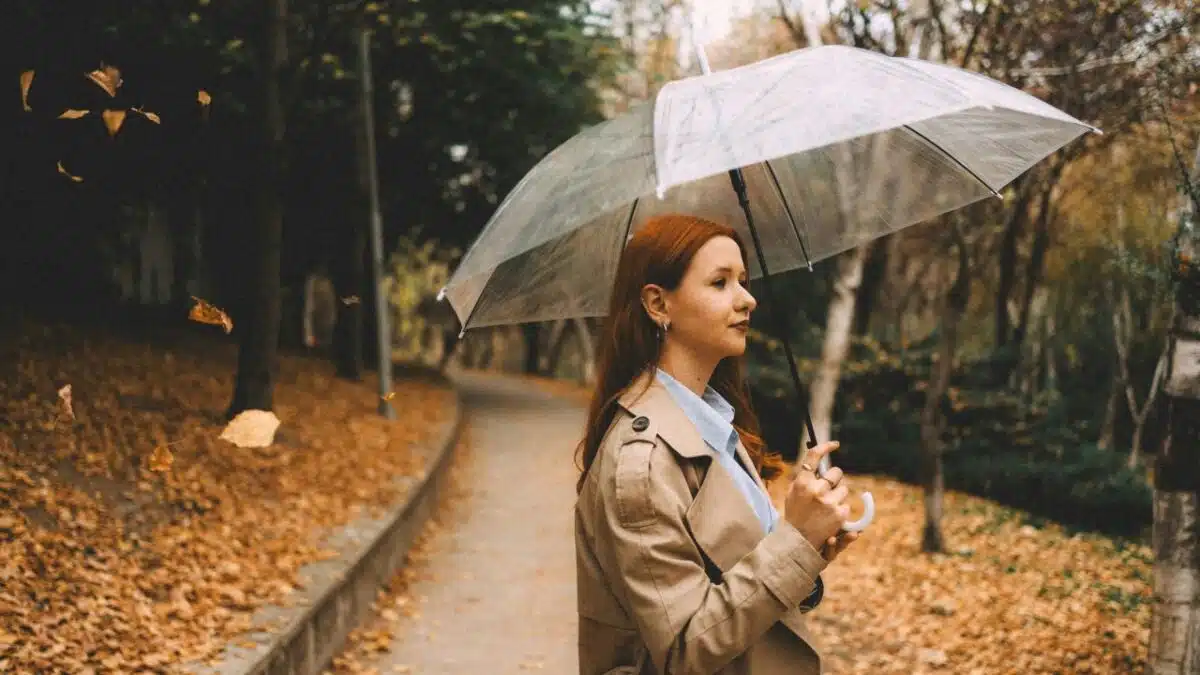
<point x="720" y="519"/>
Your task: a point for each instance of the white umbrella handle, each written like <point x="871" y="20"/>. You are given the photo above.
<point x="868" y="515"/>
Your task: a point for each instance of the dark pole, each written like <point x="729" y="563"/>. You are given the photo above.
<point x="381" y="305"/>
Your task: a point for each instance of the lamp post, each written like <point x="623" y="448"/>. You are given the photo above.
<point x="371" y="176"/>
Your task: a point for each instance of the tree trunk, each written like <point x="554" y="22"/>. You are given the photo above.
<point x="348" y="342"/>
<point x="1174" y="649"/>
<point x="874" y="274"/>
<point x="1008" y="272"/>
<point x="348" y="331"/>
<point x="588" y="346"/>
<point x="257" y="349"/>
<point x="555" y="341"/>
<point x="533" y="334"/>
<point x="1037" y="257"/>
<point x="1108" y="428"/>
<point x="933" y="478"/>
<point x="836" y="345"/>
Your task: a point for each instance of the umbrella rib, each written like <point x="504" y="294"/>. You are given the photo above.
<point x="629" y="221"/>
<point x="954" y="159"/>
<point x="787" y="208"/>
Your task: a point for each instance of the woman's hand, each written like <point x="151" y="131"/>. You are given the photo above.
<point x="835" y="545"/>
<point x="817" y="506"/>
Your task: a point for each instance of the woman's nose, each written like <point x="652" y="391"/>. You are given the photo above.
<point x="748" y="301"/>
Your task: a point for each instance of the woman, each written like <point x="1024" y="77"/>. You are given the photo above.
<point x="684" y="566"/>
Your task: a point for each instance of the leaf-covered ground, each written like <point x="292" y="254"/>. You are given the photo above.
<point x="1006" y="598"/>
<point x="131" y="537"/>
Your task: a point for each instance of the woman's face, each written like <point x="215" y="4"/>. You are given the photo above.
<point x="709" y="312"/>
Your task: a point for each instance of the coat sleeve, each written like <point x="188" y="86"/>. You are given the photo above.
<point x="690" y="624"/>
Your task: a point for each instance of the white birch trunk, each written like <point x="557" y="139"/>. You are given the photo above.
<point x="1175" y="626"/>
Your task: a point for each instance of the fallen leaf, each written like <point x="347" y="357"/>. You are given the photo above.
<point x="161" y="459"/>
<point x="73" y="114"/>
<point x="64" y="395"/>
<point x="203" y="312"/>
<point x="203" y="98"/>
<point x="351" y="300"/>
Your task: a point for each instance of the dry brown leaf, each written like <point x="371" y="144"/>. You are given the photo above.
<point x="251" y="429"/>
<point x="113" y="120"/>
<point x="64" y="395"/>
<point x="63" y="171"/>
<point x="203" y="98"/>
<point x="73" y="114"/>
<point x="107" y="78"/>
<point x="351" y="300"/>
<point x="26" y="83"/>
<point x="153" y="117"/>
<point x="203" y="312"/>
<point x="161" y="459"/>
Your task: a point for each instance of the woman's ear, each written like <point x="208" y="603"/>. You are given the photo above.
<point x="654" y="301"/>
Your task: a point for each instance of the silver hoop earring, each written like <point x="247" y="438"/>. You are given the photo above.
<point x="666" y="325"/>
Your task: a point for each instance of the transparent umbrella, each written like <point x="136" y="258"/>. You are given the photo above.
<point x="827" y="148"/>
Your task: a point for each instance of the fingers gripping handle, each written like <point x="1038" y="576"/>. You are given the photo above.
<point x="868" y="515"/>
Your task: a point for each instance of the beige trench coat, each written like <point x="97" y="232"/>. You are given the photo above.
<point x="674" y="573"/>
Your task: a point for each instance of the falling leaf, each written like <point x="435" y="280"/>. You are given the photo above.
<point x="64" y="172"/>
<point x="113" y="119"/>
<point x="73" y="114"/>
<point x="64" y="394"/>
<point x="203" y="312"/>
<point x="26" y="83"/>
<point x="389" y="396"/>
<point x="203" y="98"/>
<point x="161" y="459"/>
<point x="148" y="115"/>
<point x="252" y="429"/>
<point x="107" y="78"/>
<point x="351" y="300"/>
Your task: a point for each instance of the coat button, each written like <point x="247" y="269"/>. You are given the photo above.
<point x="641" y="424"/>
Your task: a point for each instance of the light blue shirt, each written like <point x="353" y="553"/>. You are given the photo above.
<point x="713" y="417"/>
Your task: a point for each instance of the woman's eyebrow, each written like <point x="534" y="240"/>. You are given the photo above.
<point x="726" y="269"/>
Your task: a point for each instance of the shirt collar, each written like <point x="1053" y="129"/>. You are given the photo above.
<point x="711" y="413"/>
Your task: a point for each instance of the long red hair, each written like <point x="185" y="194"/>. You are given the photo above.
<point x="659" y="253"/>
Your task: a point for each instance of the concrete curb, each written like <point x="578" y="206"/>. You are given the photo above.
<point x="337" y="594"/>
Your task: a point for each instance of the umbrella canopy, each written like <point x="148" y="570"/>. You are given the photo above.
<point x="838" y="146"/>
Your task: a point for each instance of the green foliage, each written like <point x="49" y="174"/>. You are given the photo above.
<point x="1032" y="455"/>
<point x="417" y="272"/>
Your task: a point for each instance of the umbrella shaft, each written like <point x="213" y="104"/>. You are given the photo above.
<point x="779" y="316"/>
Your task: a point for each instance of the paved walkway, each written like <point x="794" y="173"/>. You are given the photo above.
<point x="501" y="594"/>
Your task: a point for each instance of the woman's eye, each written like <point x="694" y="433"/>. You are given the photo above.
<point x="719" y="283"/>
